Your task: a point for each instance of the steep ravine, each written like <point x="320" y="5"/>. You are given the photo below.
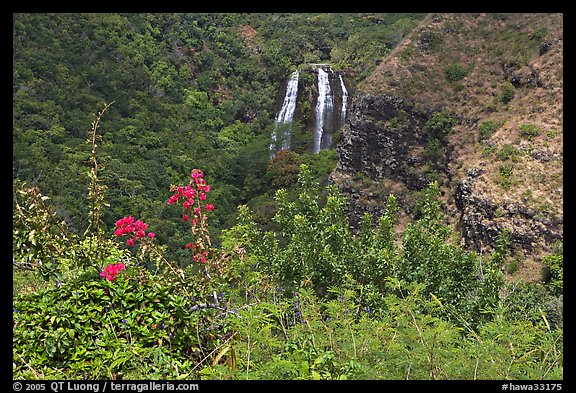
<point x="385" y="149"/>
<point x="377" y="158"/>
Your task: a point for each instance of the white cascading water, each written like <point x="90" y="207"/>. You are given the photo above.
<point x="286" y="113"/>
<point x="344" y="100"/>
<point x="323" y="106"/>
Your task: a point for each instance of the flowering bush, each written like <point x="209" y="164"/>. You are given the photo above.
<point x="135" y="328"/>
<point x="333" y="319"/>
<point x="193" y="197"/>
<point x="126" y="226"/>
<point x="110" y="272"/>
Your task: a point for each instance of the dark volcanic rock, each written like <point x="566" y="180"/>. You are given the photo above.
<point x="378" y="145"/>
<point x="383" y="141"/>
<point x="545" y="47"/>
<point x="481" y="224"/>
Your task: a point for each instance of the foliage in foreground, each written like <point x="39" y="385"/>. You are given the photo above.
<point x="137" y="327"/>
<point x="309" y="299"/>
<point x="279" y="306"/>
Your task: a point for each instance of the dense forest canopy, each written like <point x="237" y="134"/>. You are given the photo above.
<point x="189" y="90"/>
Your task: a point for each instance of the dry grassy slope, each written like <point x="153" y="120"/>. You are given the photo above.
<point x="494" y="48"/>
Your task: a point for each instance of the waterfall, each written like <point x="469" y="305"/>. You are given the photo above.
<point x="286" y="113"/>
<point x="323" y="107"/>
<point x="328" y="119"/>
<point x="344" y="100"/>
<point x="289" y="104"/>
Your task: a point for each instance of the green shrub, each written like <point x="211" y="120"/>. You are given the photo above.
<point x="92" y="328"/>
<point x="507" y="93"/>
<point x="529" y="131"/>
<point x="440" y="124"/>
<point x="554" y="271"/>
<point x="487" y="151"/>
<point x="434" y="150"/>
<point x="321" y="164"/>
<point x="507" y="152"/>
<point x="400" y="120"/>
<point x="491" y="105"/>
<point x="487" y="129"/>
<point x="455" y="72"/>
<point x="505" y="173"/>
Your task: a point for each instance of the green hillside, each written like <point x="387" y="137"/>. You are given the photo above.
<point x="492" y="83"/>
<point x="189" y="90"/>
<point x="154" y="238"/>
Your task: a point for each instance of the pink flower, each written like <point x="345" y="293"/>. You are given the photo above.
<point x="110" y="272"/>
<point x="140" y="225"/>
<point x="188" y="245"/>
<point x="197" y="173"/>
<point x="209" y="206"/>
<point x="124" y="226"/>
<point x="206" y="188"/>
<point x="188" y="192"/>
<point x="185" y="217"/>
<point x="127" y="225"/>
<point x="187" y="204"/>
<point x="151" y="235"/>
<point x="124" y="221"/>
<point x="202" y="197"/>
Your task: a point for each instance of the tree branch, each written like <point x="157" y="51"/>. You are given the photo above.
<point x="24" y="265"/>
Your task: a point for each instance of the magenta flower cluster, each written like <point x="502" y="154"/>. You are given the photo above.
<point x="127" y="226"/>
<point x="110" y="272"/>
<point x="193" y="197"/>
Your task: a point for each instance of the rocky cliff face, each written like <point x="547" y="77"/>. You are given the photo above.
<point x="501" y="165"/>
<point x="379" y="145"/>
<point x="382" y="151"/>
<point x="482" y="219"/>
